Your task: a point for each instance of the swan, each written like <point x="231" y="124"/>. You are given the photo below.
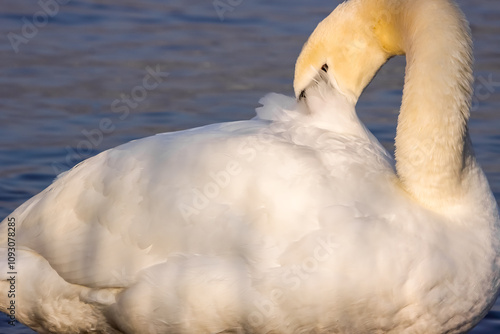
<point x="296" y="221"/>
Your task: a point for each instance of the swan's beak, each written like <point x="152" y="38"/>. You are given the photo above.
<point x="322" y="95"/>
<point x="319" y="82"/>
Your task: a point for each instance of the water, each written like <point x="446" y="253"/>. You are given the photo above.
<point x="66" y="75"/>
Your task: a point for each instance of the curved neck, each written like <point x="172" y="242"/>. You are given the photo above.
<point x="357" y="38"/>
<point x="431" y="141"/>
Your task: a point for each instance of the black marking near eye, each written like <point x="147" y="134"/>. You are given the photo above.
<point x="302" y="95"/>
<point x="324" y="68"/>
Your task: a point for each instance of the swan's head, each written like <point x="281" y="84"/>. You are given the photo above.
<point x="350" y="45"/>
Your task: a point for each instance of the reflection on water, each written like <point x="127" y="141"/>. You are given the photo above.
<point x="71" y="90"/>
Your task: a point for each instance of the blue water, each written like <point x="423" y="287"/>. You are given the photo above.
<point x="66" y="74"/>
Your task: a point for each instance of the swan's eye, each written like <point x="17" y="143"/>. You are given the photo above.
<point x="324" y="68"/>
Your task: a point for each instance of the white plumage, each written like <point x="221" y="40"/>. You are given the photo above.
<point x="292" y="222"/>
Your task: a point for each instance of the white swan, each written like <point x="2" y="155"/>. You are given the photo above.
<point x="293" y="222"/>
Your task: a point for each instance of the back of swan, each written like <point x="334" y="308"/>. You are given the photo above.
<point x="296" y="221"/>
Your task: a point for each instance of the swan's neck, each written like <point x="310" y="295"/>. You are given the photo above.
<point x="431" y="142"/>
<point x="356" y="40"/>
